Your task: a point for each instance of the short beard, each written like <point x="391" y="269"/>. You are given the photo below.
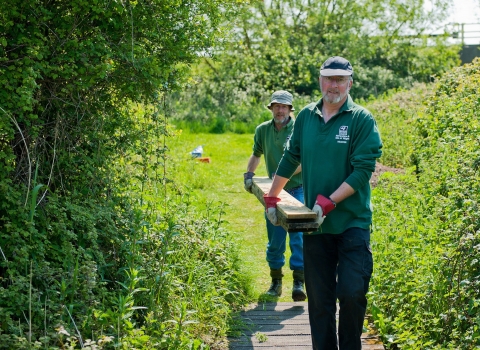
<point x="336" y="99"/>
<point x="280" y="122"/>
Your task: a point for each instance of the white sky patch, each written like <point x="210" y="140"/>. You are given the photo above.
<point x="465" y="11"/>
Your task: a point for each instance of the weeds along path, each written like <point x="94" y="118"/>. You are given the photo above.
<point x="221" y="181"/>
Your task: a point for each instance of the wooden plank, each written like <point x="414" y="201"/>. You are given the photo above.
<point x="292" y="215"/>
<point x="292" y="226"/>
<point x="257" y="322"/>
<point x="298" y="319"/>
<point x="286" y="342"/>
<point x="301" y="307"/>
<point x="277" y="329"/>
<point x="289" y="205"/>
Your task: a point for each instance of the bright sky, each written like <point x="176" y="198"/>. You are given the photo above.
<point x="465" y="11"/>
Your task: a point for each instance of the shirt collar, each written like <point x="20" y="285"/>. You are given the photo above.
<point x="346" y="107"/>
<point x="290" y="122"/>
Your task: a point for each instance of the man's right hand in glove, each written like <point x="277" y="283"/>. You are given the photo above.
<point x="271" y="208"/>
<point x="247" y="181"/>
<point x="322" y="207"/>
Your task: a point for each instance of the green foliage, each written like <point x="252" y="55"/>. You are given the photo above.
<point x="282" y="44"/>
<point x="426" y="286"/>
<point x="146" y="269"/>
<point x="89" y="247"/>
<point x="71" y="67"/>
<point x="395" y="113"/>
<point x="238" y="117"/>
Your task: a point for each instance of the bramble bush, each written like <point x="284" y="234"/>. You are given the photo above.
<point x="140" y="269"/>
<point x="426" y="285"/>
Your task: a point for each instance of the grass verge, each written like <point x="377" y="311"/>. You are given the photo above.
<point x="221" y="181"/>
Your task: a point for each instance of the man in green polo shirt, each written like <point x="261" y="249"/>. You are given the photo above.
<point x="270" y="140"/>
<point x="337" y="143"/>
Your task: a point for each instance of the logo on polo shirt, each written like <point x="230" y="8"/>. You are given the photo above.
<point x="342" y="136"/>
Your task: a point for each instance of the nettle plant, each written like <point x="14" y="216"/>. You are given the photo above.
<point x="427" y="283"/>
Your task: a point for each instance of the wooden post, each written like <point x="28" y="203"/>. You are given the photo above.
<point x="292" y="215"/>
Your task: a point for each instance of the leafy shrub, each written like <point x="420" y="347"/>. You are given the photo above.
<point x="395" y="113"/>
<point x="375" y="81"/>
<point x="142" y="266"/>
<point x="427" y="227"/>
<point x="216" y="111"/>
<point x="89" y="248"/>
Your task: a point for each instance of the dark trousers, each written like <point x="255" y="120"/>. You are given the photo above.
<point x="337" y="267"/>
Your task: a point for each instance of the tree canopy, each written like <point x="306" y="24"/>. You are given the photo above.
<point x="280" y="44"/>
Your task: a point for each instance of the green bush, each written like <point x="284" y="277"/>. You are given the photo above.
<point x="144" y="268"/>
<point x="426" y="287"/>
<point x="234" y="114"/>
<point x="92" y="231"/>
<point x="395" y="113"/>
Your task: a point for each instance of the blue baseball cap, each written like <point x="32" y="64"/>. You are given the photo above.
<point x="336" y="65"/>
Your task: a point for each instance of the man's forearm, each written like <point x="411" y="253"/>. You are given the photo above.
<point x="299" y="169"/>
<point x="277" y="185"/>
<point x="253" y="163"/>
<point x="341" y="193"/>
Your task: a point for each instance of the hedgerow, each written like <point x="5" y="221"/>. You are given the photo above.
<point x="100" y="246"/>
<point x="395" y="113"/>
<point x="426" y="285"/>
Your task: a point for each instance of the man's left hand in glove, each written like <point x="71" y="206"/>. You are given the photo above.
<point x="271" y="208"/>
<point x="322" y="207"/>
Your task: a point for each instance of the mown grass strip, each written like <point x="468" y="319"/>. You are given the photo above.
<point x="221" y="181"/>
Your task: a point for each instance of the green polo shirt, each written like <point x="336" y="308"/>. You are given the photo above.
<point x="343" y="150"/>
<point x="271" y="142"/>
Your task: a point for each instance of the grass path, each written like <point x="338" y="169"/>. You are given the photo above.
<point x="221" y="181"/>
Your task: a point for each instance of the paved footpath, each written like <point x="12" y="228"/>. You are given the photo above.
<point x="282" y="326"/>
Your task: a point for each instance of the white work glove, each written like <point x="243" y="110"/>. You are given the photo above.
<point x="272" y="215"/>
<point x="271" y="209"/>
<point x="319" y="211"/>
<point x="322" y="207"/>
<point x="247" y="181"/>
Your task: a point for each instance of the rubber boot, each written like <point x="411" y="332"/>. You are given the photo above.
<point x="298" y="290"/>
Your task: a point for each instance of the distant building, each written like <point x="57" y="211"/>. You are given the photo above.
<point x="469" y="36"/>
<point x="469" y="52"/>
